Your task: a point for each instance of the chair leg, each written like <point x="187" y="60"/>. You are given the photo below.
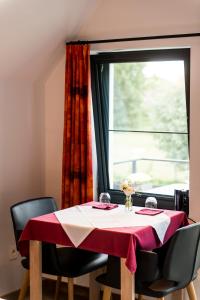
<point x="140" y="297"/>
<point x="70" y="289"/>
<point x="106" y="293"/>
<point x="94" y="286"/>
<point x="58" y="281"/>
<point x="25" y="285"/>
<point x="191" y="291"/>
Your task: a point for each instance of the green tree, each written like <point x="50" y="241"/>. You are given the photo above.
<point x="128" y="93"/>
<point x="151" y="103"/>
<point x="168" y="114"/>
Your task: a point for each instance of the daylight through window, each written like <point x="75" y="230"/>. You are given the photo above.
<point x="143" y="108"/>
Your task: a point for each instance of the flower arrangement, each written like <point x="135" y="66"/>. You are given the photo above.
<point x="128" y="188"/>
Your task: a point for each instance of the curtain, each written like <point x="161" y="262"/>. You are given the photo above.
<point x="77" y="176"/>
<point x="100" y="73"/>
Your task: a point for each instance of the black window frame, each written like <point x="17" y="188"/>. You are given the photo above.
<point x="101" y="112"/>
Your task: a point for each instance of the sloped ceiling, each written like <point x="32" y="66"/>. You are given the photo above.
<point x="32" y="31"/>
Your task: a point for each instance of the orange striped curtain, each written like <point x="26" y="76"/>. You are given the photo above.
<point x="77" y="179"/>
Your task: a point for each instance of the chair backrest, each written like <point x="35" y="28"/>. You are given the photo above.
<point x="23" y="211"/>
<point x="183" y="255"/>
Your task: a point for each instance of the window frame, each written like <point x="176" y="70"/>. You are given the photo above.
<point x="101" y="113"/>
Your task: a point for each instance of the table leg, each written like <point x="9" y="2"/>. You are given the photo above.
<point x="35" y="270"/>
<point x="127" y="282"/>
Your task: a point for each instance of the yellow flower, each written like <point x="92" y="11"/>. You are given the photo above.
<point x="127" y="187"/>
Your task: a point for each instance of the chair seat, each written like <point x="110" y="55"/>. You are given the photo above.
<point x="111" y="282"/>
<point x="143" y="288"/>
<point x="72" y="262"/>
<point x="148" y="263"/>
<point x="158" y="289"/>
<point x="76" y="262"/>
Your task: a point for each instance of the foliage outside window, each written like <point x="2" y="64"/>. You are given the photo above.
<point x="141" y="104"/>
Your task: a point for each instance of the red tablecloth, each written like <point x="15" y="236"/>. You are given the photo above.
<point x="121" y="242"/>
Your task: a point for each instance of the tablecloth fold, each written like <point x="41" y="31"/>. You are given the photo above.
<point x="79" y="221"/>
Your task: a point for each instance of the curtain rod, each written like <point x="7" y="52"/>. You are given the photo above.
<point x="140" y="38"/>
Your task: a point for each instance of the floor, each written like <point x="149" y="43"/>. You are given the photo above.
<point x="81" y="293"/>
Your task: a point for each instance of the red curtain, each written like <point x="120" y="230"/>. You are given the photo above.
<point x="77" y="179"/>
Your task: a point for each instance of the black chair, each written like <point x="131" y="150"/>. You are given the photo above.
<point x="60" y="261"/>
<point x="174" y="266"/>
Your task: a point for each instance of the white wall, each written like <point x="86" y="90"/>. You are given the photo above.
<point x="116" y="18"/>
<point x="53" y="122"/>
<point x="21" y="161"/>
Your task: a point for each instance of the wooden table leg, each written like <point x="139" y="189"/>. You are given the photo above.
<point x="35" y="270"/>
<point x="127" y="282"/>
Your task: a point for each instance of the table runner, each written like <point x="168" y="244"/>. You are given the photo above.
<point x="80" y="220"/>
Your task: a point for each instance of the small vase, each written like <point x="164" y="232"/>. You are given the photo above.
<point x="128" y="203"/>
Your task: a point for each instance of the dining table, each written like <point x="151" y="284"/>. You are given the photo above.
<point x="121" y="240"/>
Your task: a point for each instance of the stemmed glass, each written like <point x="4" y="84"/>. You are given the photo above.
<point x="104" y="198"/>
<point x="151" y="202"/>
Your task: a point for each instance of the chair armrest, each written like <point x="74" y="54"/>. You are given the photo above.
<point x="147" y="266"/>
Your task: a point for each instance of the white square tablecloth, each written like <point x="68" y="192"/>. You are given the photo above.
<point x="78" y="221"/>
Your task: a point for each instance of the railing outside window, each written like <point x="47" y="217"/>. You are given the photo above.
<point x="143" y="180"/>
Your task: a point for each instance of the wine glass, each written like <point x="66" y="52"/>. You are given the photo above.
<point x="104" y="198"/>
<point x="151" y="202"/>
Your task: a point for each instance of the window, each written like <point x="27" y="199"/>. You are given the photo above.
<point x="141" y="109"/>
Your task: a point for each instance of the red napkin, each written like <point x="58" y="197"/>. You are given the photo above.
<point x="149" y="211"/>
<point x="106" y="206"/>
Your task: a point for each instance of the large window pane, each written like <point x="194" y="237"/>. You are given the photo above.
<point x="141" y="115"/>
